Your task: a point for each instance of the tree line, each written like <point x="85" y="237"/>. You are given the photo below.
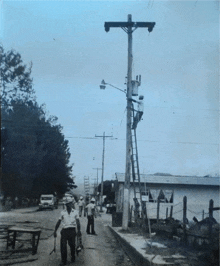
<point x="34" y="152"/>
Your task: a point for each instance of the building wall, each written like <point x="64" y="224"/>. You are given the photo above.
<point x="198" y="198"/>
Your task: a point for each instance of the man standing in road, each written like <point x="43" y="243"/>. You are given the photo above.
<point x="91" y="213"/>
<point x="69" y="220"/>
<point x="81" y="205"/>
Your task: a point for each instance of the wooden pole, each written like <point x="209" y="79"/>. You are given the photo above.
<point x="103" y="160"/>
<point x="171" y="211"/>
<point x="127" y="27"/>
<point x="126" y="202"/>
<point x="184" y="218"/>
<point x="167" y="213"/>
<point x="211" y="205"/>
<point x="158" y="210"/>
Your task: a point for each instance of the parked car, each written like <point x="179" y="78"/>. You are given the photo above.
<point x="47" y="201"/>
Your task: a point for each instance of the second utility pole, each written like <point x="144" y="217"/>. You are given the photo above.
<point x="103" y="158"/>
<point x="128" y="27"/>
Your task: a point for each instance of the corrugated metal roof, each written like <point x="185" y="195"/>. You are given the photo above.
<point x="172" y="179"/>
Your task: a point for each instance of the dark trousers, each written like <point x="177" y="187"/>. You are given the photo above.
<point x="137" y="118"/>
<point x="90" y="224"/>
<point x="80" y="210"/>
<point x="68" y="234"/>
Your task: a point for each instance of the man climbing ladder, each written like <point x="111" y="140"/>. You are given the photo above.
<point x="140" y="111"/>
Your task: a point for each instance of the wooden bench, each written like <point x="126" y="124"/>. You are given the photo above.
<point x="12" y="234"/>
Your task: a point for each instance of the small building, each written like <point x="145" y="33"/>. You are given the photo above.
<point x="170" y="190"/>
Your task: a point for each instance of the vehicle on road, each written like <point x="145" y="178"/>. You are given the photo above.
<point x="48" y="201"/>
<point x="110" y="208"/>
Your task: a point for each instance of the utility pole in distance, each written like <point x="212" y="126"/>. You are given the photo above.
<point x="97" y="176"/>
<point x="128" y="27"/>
<point x="103" y="159"/>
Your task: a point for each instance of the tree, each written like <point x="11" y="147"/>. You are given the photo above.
<point x="16" y="81"/>
<point x="35" y="154"/>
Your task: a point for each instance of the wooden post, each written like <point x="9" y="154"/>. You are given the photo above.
<point x="158" y="210"/>
<point x="184" y="218"/>
<point x="171" y="211"/>
<point x="211" y="205"/>
<point x="167" y="213"/>
<point x="203" y="215"/>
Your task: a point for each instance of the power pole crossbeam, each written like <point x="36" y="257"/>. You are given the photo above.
<point x="128" y="27"/>
<point x="149" y="25"/>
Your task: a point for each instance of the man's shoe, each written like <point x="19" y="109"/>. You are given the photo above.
<point x="62" y="263"/>
<point x="73" y="259"/>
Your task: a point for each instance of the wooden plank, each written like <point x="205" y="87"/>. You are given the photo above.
<point x="24" y="230"/>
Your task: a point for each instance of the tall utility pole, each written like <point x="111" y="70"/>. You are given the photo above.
<point x="128" y="27"/>
<point x="103" y="159"/>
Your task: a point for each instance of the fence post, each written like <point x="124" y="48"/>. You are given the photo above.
<point x="184" y="218"/>
<point x="203" y="215"/>
<point x="171" y="211"/>
<point x="167" y="213"/>
<point x="158" y="210"/>
<point x="211" y="205"/>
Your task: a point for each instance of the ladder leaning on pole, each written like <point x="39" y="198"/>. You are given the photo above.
<point x="136" y="173"/>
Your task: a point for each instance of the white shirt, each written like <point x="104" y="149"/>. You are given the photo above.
<point x="91" y="208"/>
<point x="69" y="220"/>
<point x="81" y="202"/>
<point x="141" y="106"/>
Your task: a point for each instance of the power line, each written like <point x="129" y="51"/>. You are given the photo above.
<point x="156" y="141"/>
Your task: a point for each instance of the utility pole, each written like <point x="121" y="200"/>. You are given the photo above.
<point x="129" y="27"/>
<point x="103" y="159"/>
<point x="97" y="174"/>
<point x="97" y="181"/>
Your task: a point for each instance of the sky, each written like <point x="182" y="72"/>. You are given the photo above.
<point x="178" y="63"/>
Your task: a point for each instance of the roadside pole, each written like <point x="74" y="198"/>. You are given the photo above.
<point x="103" y="159"/>
<point x="128" y="27"/>
<point x="97" y="181"/>
<point x="126" y="205"/>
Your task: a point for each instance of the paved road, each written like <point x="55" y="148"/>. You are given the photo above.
<point x="100" y="250"/>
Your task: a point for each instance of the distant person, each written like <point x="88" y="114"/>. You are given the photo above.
<point x="140" y="111"/>
<point x="69" y="220"/>
<point x="81" y="204"/>
<point x="91" y="214"/>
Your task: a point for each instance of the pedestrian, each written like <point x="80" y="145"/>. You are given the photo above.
<point x="140" y="111"/>
<point x="69" y="220"/>
<point x="81" y="204"/>
<point x="91" y="214"/>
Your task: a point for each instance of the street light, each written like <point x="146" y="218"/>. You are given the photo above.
<point x="103" y="85"/>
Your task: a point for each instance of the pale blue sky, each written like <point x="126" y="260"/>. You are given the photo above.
<point x="178" y="61"/>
